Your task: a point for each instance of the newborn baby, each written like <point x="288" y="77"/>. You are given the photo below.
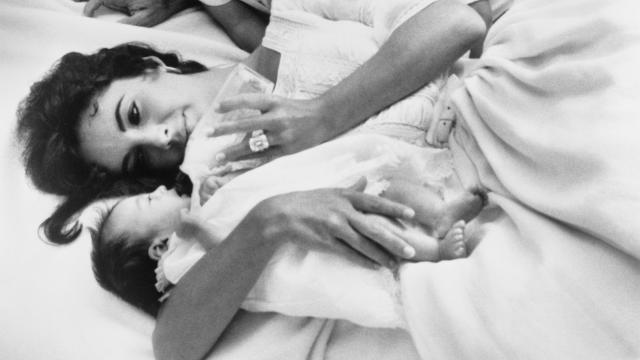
<point x="302" y="282"/>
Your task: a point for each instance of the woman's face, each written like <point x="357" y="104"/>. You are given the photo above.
<point x="147" y="216"/>
<point x="142" y="124"/>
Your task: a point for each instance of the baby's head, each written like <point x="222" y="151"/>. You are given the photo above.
<point x="130" y="240"/>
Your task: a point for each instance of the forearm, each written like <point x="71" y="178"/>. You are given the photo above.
<point x="244" y="25"/>
<point x="415" y="53"/>
<point x="483" y="8"/>
<point x="208" y="296"/>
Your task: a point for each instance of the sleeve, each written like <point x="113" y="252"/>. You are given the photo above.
<point x="384" y="16"/>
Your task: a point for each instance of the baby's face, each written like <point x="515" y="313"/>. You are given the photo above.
<point x="147" y="216"/>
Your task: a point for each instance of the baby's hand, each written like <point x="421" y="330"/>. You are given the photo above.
<point x="217" y="178"/>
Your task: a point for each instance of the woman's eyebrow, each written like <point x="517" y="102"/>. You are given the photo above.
<point x="118" y="118"/>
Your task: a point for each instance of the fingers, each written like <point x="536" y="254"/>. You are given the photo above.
<point x="359" y="186"/>
<point x="90" y="7"/>
<point x="363" y="246"/>
<point x="245" y="125"/>
<point x="256" y="101"/>
<point x="209" y="187"/>
<point x="338" y="246"/>
<point x="378" y="205"/>
<point x="380" y="230"/>
<point x="242" y="151"/>
<point x="145" y="18"/>
<point x="221" y="170"/>
<point x="205" y="194"/>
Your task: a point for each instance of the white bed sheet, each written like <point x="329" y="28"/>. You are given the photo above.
<point x="50" y="305"/>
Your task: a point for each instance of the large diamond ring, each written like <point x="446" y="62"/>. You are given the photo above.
<point x="258" y="141"/>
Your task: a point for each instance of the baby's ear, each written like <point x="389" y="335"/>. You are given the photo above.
<point x="157" y="248"/>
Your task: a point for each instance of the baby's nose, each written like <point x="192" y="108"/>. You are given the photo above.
<point x="159" y="191"/>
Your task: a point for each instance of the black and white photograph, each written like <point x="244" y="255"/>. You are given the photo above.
<point x="320" y="179"/>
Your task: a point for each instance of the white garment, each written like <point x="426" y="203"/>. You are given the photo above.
<point x="301" y="282"/>
<point x="316" y="55"/>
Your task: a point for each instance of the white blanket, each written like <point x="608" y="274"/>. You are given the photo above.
<point x="553" y="107"/>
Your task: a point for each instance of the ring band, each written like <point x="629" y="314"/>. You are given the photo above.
<point x="258" y="141"/>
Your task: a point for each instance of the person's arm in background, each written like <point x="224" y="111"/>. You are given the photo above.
<point x="205" y="300"/>
<point x="415" y="53"/>
<point x="242" y="23"/>
<point x="483" y="8"/>
<point x="139" y="12"/>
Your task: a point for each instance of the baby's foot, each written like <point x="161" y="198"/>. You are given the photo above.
<point x="464" y="207"/>
<point x="454" y="245"/>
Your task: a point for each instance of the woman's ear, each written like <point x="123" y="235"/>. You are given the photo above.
<point x="157" y="248"/>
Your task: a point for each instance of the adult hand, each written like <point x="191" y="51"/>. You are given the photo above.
<point x="290" y="125"/>
<point x="341" y="220"/>
<point x="139" y="12"/>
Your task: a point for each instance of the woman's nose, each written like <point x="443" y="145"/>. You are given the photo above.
<point x="162" y="136"/>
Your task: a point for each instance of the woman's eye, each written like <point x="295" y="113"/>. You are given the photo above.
<point x="134" y="115"/>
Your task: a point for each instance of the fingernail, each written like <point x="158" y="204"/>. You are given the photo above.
<point x="220" y="157"/>
<point x="409" y="252"/>
<point x="409" y="213"/>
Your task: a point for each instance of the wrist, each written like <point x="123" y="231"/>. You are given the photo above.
<point x="331" y="113"/>
<point x="271" y="217"/>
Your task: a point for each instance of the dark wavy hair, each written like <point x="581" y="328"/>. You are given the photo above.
<point x="47" y="129"/>
<point x="122" y="266"/>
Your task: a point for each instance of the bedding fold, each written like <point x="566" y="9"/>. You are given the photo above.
<point x="548" y="121"/>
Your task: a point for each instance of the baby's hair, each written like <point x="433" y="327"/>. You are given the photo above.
<point x="122" y="266"/>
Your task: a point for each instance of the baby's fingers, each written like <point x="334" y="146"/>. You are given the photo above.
<point x="90" y="7"/>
